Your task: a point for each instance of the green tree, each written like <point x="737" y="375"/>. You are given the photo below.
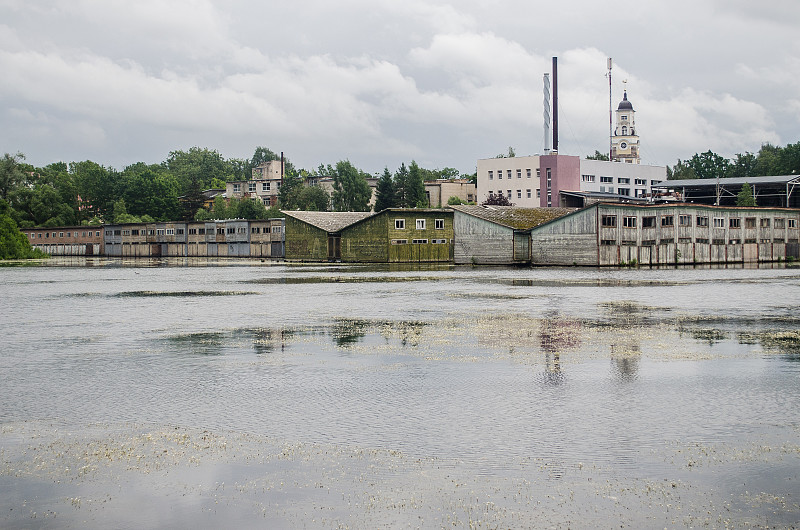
<point x="455" y="201"/>
<point x="415" y="191"/>
<point x="153" y="194"/>
<point x="680" y="171"/>
<point x="11" y="174"/>
<point x="97" y="187"/>
<point x="511" y="153"/>
<point x="745" y="196"/>
<point x="385" y="196"/>
<point x="289" y="193"/>
<point x="251" y="209"/>
<point x="401" y="186"/>
<point x="597" y="156"/>
<point x="351" y="192"/>
<point x="13" y="243"/>
<point x="743" y="165"/>
<point x="709" y="165"/>
<point x="313" y="198"/>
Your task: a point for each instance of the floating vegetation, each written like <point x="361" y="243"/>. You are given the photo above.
<point x="786" y="342"/>
<point x="290" y="280"/>
<point x="179" y="294"/>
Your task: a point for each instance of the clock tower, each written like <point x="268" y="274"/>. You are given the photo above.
<point x="625" y="142"/>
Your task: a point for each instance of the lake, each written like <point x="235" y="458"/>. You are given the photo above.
<point x="207" y="394"/>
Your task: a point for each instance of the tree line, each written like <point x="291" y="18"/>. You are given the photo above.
<point x="770" y="160"/>
<point x="76" y="193"/>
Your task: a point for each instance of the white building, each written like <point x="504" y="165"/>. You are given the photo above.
<point x="520" y="179"/>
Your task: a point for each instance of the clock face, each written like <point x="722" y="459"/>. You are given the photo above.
<point x="623" y="145"/>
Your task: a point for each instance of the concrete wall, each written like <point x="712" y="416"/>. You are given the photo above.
<point x="569" y="240"/>
<point x="481" y="242"/>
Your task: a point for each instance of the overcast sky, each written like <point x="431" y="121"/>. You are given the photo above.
<point x="383" y="82"/>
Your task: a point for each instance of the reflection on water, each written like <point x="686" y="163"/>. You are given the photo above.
<point x="398" y="396"/>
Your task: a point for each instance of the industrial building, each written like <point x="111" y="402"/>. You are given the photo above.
<point x="621" y="234"/>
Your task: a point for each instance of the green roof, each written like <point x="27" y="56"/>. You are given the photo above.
<point x="513" y="216"/>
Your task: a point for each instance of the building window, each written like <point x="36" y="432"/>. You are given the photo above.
<point x="685" y="220"/>
<point x="621" y="180"/>
<point x="97" y="234"/>
<point x="519" y="173"/>
<point x="170" y="231"/>
<point x="640" y="182"/>
<point x="538" y="193"/>
<point x="420" y="224"/>
<point x="749" y="222"/>
<point x="491" y="175"/>
<point x="668" y="220"/>
<point x="624" y="191"/>
<point x="629" y="222"/>
<point x="528" y="171"/>
<point x="399" y="224"/>
<point x="419" y="241"/>
<point x="528" y="193"/>
<point x="438" y="224"/>
<point x="587" y="178"/>
<point x="179" y="231"/>
<point x="608" y="220"/>
<point x="735" y="222"/>
<point x="251" y="187"/>
<point x="159" y="231"/>
<point x="608" y="242"/>
<point x="237" y="187"/>
<point x="792" y="223"/>
<point x="519" y="194"/>
<point x="439" y="241"/>
<point x="265" y="186"/>
<point x="508" y="174"/>
<point x="606" y="179"/>
<point x="702" y="221"/>
<point x="61" y="234"/>
<point x="201" y="231"/>
<point x="765" y="223"/>
<point x="719" y="222"/>
<point x="508" y="193"/>
<point x="654" y="182"/>
<point x="624" y="117"/>
<point x="399" y="241"/>
<point x="538" y="173"/>
<point x="192" y="232"/>
<point x="780" y="222"/>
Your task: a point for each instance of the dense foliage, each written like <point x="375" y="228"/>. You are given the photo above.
<point x="13" y="243"/>
<point x="86" y="192"/>
<point x="770" y="160"/>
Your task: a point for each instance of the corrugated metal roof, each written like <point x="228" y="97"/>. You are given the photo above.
<point x="513" y="216"/>
<point x="734" y="181"/>
<point x="328" y="221"/>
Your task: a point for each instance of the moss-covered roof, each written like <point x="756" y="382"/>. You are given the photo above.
<point x="328" y="221"/>
<point x="514" y="217"/>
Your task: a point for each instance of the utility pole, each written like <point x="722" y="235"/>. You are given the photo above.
<point x="610" y="130"/>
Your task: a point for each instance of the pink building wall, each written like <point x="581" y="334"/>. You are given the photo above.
<point x="564" y="173"/>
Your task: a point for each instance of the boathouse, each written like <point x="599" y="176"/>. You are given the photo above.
<point x="395" y="235"/>
<point x="619" y="234"/>
<point x="497" y="235"/>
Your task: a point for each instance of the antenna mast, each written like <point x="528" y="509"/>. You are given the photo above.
<point x="610" y="130"/>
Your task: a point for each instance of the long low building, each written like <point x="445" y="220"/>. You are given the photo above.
<point x="619" y="234"/>
<point x="228" y="238"/>
<point x="394" y="235"/>
<point x="67" y="240"/>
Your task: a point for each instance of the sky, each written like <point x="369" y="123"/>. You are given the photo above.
<point x="381" y="82"/>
